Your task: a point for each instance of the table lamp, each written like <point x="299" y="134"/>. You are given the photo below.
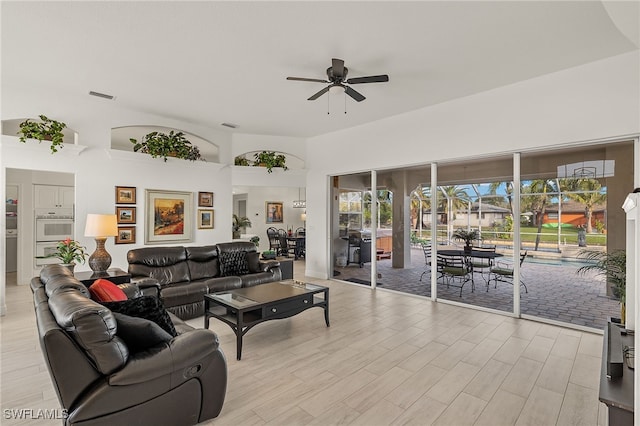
<point x="100" y="226"/>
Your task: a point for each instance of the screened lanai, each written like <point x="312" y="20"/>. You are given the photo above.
<point x="523" y="200"/>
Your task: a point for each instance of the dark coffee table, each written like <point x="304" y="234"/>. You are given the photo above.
<point x="244" y="308"/>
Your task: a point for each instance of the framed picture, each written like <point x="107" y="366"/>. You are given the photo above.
<point x="205" y="199"/>
<point x="274" y="212"/>
<point x="126" y="235"/>
<point x="125" y="194"/>
<point x="168" y="217"/>
<point x="126" y="214"/>
<point x="205" y="219"/>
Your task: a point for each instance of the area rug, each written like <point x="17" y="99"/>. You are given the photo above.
<point x="359" y="281"/>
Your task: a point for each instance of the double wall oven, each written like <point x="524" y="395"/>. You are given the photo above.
<point x="51" y="227"/>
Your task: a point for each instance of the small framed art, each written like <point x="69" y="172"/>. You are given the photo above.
<point x="205" y="219"/>
<point x="274" y="212"/>
<point x="126" y="214"/>
<point x="125" y="194"/>
<point x="126" y="235"/>
<point x="205" y="199"/>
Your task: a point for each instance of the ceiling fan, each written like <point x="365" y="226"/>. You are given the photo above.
<point x="337" y="77"/>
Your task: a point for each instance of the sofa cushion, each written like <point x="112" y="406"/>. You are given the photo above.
<point x="165" y="264"/>
<point x="105" y="291"/>
<point x="233" y="263"/>
<point x="203" y="262"/>
<point x="140" y="334"/>
<point x="147" y="307"/>
<point x="253" y="261"/>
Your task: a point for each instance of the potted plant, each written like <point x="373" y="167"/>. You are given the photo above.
<point x="268" y="254"/>
<point x="174" y="144"/>
<point x="270" y="159"/>
<point x="70" y="251"/>
<point x="241" y="160"/>
<point x="468" y="236"/>
<point x="612" y="266"/>
<point x="239" y="222"/>
<point x="45" y="129"/>
<point x="255" y="240"/>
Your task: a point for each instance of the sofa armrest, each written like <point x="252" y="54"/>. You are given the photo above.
<point x="184" y="352"/>
<point x="268" y="265"/>
<point x="148" y="286"/>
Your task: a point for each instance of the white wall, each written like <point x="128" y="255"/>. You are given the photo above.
<point x="591" y="102"/>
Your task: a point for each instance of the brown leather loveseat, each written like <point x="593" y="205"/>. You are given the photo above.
<point x="185" y="274"/>
<point x="101" y="380"/>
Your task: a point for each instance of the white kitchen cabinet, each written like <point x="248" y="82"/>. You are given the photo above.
<point x="52" y="196"/>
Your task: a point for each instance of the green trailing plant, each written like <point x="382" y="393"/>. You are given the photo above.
<point x="45" y="129"/>
<point x="241" y="160"/>
<point x="270" y="159"/>
<point x="238" y="223"/>
<point x="255" y="240"/>
<point x="468" y="236"/>
<point x="174" y="144"/>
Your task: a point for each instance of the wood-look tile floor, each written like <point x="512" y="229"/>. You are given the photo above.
<point x="387" y="359"/>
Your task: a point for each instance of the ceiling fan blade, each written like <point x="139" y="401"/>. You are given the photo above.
<point x="320" y="93"/>
<point x="315" y="80"/>
<point x="338" y="67"/>
<point x="371" y="79"/>
<point x="355" y="95"/>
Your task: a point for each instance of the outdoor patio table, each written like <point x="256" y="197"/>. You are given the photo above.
<point x="478" y="254"/>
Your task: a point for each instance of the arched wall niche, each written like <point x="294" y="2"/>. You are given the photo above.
<point x="120" y="139"/>
<point x="293" y="162"/>
<point x="10" y="128"/>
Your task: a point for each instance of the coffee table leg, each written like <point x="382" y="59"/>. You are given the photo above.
<point x="239" y="329"/>
<point x="326" y="307"/>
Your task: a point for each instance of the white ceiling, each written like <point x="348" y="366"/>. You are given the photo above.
<point x="213" y="62"/>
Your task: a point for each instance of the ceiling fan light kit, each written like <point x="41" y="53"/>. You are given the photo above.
<point x="338" y="83"/>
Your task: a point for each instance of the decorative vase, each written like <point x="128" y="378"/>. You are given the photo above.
<point x="467" y="249"/>
<point x="236" y="235"/>
<point x="69" y="266"/>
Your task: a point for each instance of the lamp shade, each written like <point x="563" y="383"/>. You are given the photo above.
<point x="101" y="225"/>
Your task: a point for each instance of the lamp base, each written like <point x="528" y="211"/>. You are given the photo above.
<point x="100" y="260"/>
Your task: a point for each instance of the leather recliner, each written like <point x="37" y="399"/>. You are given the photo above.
<point x="100" y="382"/>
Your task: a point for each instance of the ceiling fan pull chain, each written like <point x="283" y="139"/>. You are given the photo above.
<point x="345" y="102"/>
<point x="327" y="105"/>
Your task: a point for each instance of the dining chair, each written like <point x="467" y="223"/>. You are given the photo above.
<point x="452" y="268"/>
<point x="274" y="239"/>
<point x="426" y="248"/>
<point x="285" y="248"/>
<point x="503" y="271"/>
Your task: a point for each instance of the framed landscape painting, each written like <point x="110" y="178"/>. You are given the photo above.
<point x="126" y="235"/>
<point x="125" y="194"/>
<point x="205" y="199"/>
<point x="205" y="219"/>
<point x="126" y="214"/>
<point x="168" y="217"/>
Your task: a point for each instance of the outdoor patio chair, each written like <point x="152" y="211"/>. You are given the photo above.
<point x="452" y="269"/>
<point x="503" y="271"/>
<point x="426" y="248"/>
<point x="483" y="266"/>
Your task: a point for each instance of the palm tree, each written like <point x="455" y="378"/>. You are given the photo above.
<point x="540" y="190"/>
<point x="588" y="193"/>
<point x="455" y="199"/>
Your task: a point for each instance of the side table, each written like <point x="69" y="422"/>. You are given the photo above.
<point x="115" y="275"/>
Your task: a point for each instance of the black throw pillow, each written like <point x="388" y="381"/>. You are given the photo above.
<point x="253" y="261"/>
<point x="233" y="263"/>
<point x="139" y="334"/>
<point x="147" y="307"/>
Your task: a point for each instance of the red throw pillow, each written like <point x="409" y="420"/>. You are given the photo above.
<point x="105" y="291"/>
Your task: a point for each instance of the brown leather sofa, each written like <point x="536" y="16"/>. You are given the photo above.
<point x="185" y="274"/>
<point x="99" y="381"/>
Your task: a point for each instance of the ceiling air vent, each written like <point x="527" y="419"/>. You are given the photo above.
<point x="232" y="126"/>
<point x="101" y="95"/>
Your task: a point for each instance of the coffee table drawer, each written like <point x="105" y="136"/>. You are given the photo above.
<point x="278" y="308"/>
